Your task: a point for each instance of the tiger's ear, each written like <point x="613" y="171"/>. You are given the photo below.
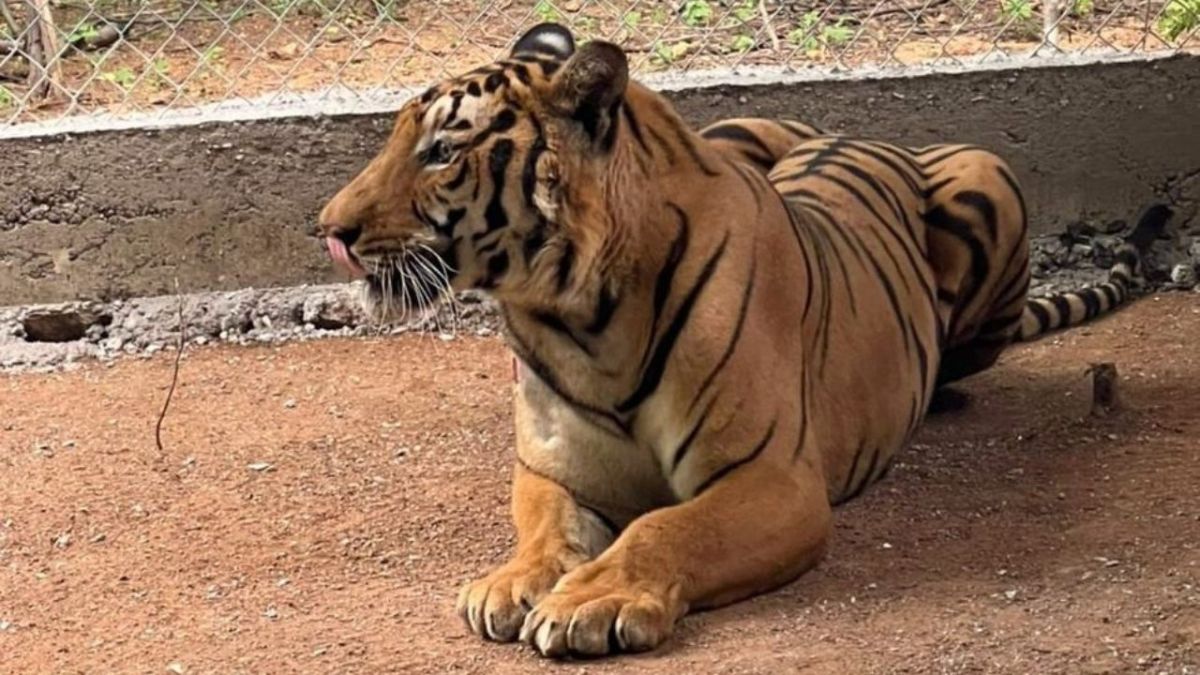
<point x="550" y="39"/>
<point x="590" y="85"/>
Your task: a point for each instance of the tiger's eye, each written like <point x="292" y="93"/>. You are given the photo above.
<point x="439" y="153"/>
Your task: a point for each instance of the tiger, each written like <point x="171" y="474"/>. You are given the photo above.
<point x="712" y="354"/>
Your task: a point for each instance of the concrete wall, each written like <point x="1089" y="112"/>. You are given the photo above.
<point x="223" y="206"/>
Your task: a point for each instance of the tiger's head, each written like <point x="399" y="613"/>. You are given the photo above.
<point x="479" y="176"/>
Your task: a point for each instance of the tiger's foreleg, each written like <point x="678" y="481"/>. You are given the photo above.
<point x="554" y="536"/>
<point x="758" y="527"/>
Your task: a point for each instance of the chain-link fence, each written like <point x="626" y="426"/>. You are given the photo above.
<point x="61" y="58"/>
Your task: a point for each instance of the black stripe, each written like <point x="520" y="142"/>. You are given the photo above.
<point x="926" y="161"/>
<point x="808" y="264"/>
<point x="862" y="447"/>
<point x="933" y="188"/>
<point x="750" y="178"/>
<point x="666" y="276"/>
<point x="1110" y="294"/>
<point x="634" y="126"/>
<point x="535" y="239"/>
<point x="736" y="464"/>
<point x="494" y="214"/>
<point x="547" y="376"/>
<point x="984" y="205"/>
<point x="685" y="138"/>
<point x="880" y="152"/>
<point x="522" y="73"/>
<point x="1064" y="309"/>
<point x="686" y="444"/>
<point x="610" y="129"/>
<point x="941" y="219"/>
<point x="460" y="177"/>
<point x="494" y="82"/>
<point x="1091" y="302"/>
<point x="747" y="294"/>
<point x="653" y="373"/>
<point x="556" y="324"/>
<point x="565" y="264"/>
<point x="866" y="479"/>
<point x="529" y="170"/>
<point x="606" y="307"/>
<point x="1040" y="313"/>
<point x="473" y="89"/>
<point x="497" y="265"/>
<point x="456" y="99"/>
<point x="740" y="134"/>
<point x="884" y="280"/>
<point x="663" y="144"/>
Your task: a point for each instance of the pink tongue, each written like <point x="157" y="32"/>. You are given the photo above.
<point x="341" y="256"/>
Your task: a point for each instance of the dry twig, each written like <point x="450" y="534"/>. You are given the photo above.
<point x="767" y="25"/>
<point x="42" y="50"/>
<point x="162" y="415"/>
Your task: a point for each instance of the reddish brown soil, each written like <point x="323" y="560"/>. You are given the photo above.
<point x="180" y="55"/>
<point x="1018" y="536"/>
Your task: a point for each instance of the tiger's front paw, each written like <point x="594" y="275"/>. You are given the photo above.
<point x="495" y="605"/>
<point x="602" y="609"/>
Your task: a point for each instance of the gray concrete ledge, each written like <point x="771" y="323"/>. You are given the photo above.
<point x="223" y="205"/>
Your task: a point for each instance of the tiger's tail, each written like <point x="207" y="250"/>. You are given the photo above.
<point x="1063" y="310"/>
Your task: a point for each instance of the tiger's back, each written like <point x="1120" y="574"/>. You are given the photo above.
<point x="884" y="226"/>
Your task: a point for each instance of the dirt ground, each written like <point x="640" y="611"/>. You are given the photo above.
<point x="318" y="505"/>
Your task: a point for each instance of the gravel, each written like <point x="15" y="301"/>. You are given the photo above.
<point x="48" y="337"/>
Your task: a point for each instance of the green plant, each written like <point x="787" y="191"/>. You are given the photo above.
<point x="812" y="33"/>
<point x="585" y="25"/>
<point x="123" y="77"/>
<point x="631" y="20"/>
<point x="660" y="15"/>
<point x="7" y="100"/>
<point x="83" y="32"/>
<point x="211" y="58"/>
<point x="666" y="54"/>
<point x="162" y="72"/>
<point x="804" y="35"/>
<point x="1179" y="17"/>
<point x="1082" y="7"/>
<point x="1017" y="11"/>
<point x="742" y="43"/>
<point x="744" y="11"/>
<point x="837" y="34"/>
<point x="697" y="12"/>
<point x="545" y="11"/>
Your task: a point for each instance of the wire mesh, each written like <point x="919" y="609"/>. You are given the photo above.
<point x="61" y="58"/>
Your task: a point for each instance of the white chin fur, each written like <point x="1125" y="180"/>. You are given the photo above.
<point x="382" y="313"/>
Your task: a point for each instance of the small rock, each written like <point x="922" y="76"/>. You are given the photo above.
<point x="260" y="466"/>
<point x="1184" y="274"/>
<point x="290" y="403"/>
<point x="271" y="613"/>
<point x="1010" y="594"/>
<point x="176" y="668"/>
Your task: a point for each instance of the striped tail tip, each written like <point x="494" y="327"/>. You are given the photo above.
<point x="1064" y="310"/>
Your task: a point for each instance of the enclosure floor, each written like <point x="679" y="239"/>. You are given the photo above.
<point x="1017" y="536"/>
